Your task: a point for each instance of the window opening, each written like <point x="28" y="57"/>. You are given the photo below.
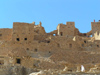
<point x="54" y="34"/>
<point x="61" y="33"/>
<point x="17" y="39"/>
<point x="18" y="61"/>
<point x="97" y="45"/>
<point x="84" y="41"/>
<point x="48" y="41"/>
<point x="25" y="38"/>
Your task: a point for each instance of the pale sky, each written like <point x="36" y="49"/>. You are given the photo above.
<point x="50" y="13"/>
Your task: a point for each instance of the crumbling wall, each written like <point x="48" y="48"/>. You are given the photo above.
<point x="95" y="27"/>
<point x="97" y="35"/>
<point x="68" y="45"/>
<point x="39" y="30"/>
<point x="66" y="30"/>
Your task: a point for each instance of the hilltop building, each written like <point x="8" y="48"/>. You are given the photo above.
<point x="28" y="45"/>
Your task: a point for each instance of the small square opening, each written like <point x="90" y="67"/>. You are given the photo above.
<point x="18" y="61"/>
<point x="54" y="34"/>
<point x="17" y="39"/>
<point x="48" y="41"/>
<point x="25" y="38"/>
<point x="84" y="41"/>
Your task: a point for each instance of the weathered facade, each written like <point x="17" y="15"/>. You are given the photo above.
<point x="30" y="46"/>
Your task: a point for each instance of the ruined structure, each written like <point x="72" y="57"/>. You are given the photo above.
<point x="28" y="45"/>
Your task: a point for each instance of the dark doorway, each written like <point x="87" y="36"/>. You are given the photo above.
<point x="84" y="41"/>
<point x="61" y="33"/>
<point x="18" y="61"/>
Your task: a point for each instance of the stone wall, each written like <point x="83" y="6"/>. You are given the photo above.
<point x="5" y="34"/>
<point x="95" y="27"/>
<point x="66" y="30"/>
<point x="23" y="32"/>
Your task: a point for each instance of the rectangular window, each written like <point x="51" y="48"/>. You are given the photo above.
<point x="48" y="41"/>
<point x="18" y="61"/>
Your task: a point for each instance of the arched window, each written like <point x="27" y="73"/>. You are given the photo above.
<point x="48" y="41"/>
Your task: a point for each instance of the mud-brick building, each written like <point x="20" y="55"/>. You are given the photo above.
<point x="29" y="45"/>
